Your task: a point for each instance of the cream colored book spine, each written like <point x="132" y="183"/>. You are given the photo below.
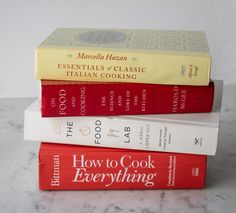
<point x="93" y="58"/>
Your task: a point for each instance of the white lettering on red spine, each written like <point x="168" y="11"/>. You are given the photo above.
<point x="175" y="99"/>
<point x="172" y="171"/>
<point x="73" y="101"/>
<point x="127" y="100"/>
<point x="82" y="100"/>
<point x="135" y="100"/>
<point x="86" y="163"/>
<point x="103" y="101"/>
<point x="144" y="100"/>
<point x="55" y="180"/>
<point x="129" y="170"/>
<point x="183" y="99"/>
<point x="127" y="162"/>
<point x="62" y="102"/>
<point x="53" y="102"/>
<point x="119" y="100"/>
<point x="111" y="102"/>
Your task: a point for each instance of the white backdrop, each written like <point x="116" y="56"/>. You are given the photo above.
<point x="24" y="24"/>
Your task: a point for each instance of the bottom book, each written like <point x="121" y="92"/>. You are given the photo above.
<point x="72" y="167"/>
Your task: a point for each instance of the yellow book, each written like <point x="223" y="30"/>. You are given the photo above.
<point x="124" y="55"/>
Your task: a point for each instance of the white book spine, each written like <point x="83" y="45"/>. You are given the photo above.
<point x="120" y="132"/>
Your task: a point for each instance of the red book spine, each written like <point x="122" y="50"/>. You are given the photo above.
<point x="68" y="167"/>
<point x="62" y="98"/>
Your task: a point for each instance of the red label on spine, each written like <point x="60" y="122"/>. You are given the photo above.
<point x="68" y="167"/>
<point x="62" y="98"/>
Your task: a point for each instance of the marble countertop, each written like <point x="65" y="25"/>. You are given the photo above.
<point x="19" y="182"/>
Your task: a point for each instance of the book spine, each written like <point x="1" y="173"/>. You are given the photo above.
<point x="127" y="66"/>
<point x="130" y="132"/>
<point x="79" y="168"/>
<point x="81" y="99"/>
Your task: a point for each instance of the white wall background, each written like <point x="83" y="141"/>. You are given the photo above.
<point x="25" y="23"/>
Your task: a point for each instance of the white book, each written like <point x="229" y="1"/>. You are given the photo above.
<point x="193" y="133"/>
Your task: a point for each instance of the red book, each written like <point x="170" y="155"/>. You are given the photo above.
<point x="66" y="98"/>
<point x="69" y="167"/>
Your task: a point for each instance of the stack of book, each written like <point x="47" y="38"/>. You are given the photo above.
<point x="124" y="109"/>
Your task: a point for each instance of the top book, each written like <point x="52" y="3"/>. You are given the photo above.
<point x="122" y="55"/>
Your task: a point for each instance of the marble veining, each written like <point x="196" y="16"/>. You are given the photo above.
<point x="19" y="182"/>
